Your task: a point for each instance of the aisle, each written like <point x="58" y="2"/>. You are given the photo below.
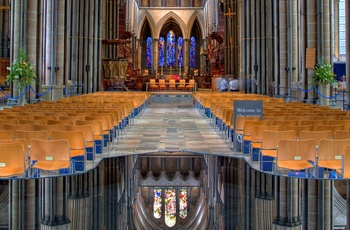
<point x="170" y="125"/>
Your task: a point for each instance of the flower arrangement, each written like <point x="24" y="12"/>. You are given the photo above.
<point x="324" y="74"/>
<point x="22" y="71"/>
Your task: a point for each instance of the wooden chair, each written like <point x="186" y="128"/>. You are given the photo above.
<point x="330" y="152"/>
<point x="341" y="134"/>
<point x="190" y="85"/>
<point x="105" y="128"/>
<point x="344" y="123"/>
<point x="182" y="85"/>
<point x="314" y="123"/>
<point x="172" y="84"/>
<point x="77" y="146"/>
<point x="50" y="155"/>
<point x="345" y="170"/>
<point x="98" y="135"/>
<point x="284" y="123"/>
<point x="258" y="137"/>
<point x="12" y="159"/>
<point x="153" y="85"/>
<point x="315" y="135"/>
<point x="161" y="84"/>
<point x="60" y="122"/>
<point x="269" y="145"/>
<point x="6" y="134"/>
<point x="15" y="127"/>
<point x="32" y="122"/>
<point x="296" y="155"/>
<point x="333" y="128"/>
<point x="247" y="133"/>
<point x="298" y="128"/>
<point x="48" y="128"/>
<point x="90" y="147"/>
<point x="29" y="135"/>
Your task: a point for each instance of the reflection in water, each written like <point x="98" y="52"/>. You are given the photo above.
<point x="170" y="207"/>
<point x="181" y="190"/>
<point x="157" y="203"/>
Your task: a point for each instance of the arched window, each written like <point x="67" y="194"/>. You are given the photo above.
<point x="166" y="201"/>
<point x="193" y="52"/>
<point x="149" y="52"/>
<point x="180" y="43"/>
<point x="161" y="51"/>
<point x="170" y="207"/>
<point x="157" y="203"/>
<point x="171" y="49"/>
<point x="183" y="203"/>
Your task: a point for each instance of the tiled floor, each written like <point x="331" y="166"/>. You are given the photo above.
<point x="170" y="124"/>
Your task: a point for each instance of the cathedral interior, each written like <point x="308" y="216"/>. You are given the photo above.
<point x="168" y="157"/>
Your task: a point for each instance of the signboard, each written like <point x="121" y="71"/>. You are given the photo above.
<point x="310" y="58"/>
<point x="245" y="108"/>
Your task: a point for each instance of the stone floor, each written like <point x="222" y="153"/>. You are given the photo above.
<point x="170" y="124"/>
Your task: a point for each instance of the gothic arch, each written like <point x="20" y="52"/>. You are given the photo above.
<point x="146" y="16"/>
<point x="175" y="17"/>
<point x="200" y="19"/>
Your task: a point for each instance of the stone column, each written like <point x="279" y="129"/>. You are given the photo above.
<point x="269" y="47"/>
<point x="347" y="25"/>
<point x="319" y="204"/>
<point x="155" y="56"/>
<point x="186" y="56"/>
<point x="60" y="42"/>
<point x="54" y="204"/>
<point x="283" y="46"/>
<point x="336" y="28"/>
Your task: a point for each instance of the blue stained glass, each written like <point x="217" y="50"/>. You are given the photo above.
<point x="161" y="51"/>
<point x="180" y="55"/>
<point x="171" y="49"/>
<point x="193" y="52"/>
<point x="149" y="52"/>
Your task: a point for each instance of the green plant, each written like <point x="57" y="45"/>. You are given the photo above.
<point x="22" y="71"/>
<point x="324" y="75"/>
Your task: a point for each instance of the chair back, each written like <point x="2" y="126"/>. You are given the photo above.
<point x="316" y="135"/>
<point x="50" y="154"/>
<point x="12" y="159"/>
<point x="330" y="149"/>
<point x="296" y="154"/>
<point x="6" y="134"/>
<point x="341" y="134"/>
<point x="29" y="135"/>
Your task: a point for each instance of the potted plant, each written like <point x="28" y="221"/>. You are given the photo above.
<point x="324" y="78"/>
<point x="21" y="74"/>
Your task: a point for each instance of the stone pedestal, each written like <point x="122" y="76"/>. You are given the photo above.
<point x="56" y="92"/>
<point x="325" y="93"/>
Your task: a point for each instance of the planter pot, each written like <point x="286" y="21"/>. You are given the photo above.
<point x="19" y="90"/>
<point x="325" y="90"/>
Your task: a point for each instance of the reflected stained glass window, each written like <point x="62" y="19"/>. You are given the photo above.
<point x="171" y="49"/>
<point x="157" y="203"/>
<point x="149" y="52"/>
<point x="183" y="203"/>
<point x="193" y="52"/>
<point x="170" y="207"/>
<point x="180" y="43"/>
<point x="161" y="51"/>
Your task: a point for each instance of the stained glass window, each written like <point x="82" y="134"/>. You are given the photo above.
<point x="149" y="52"/>
<point x="157" y="203"/>
<point x="170" y="207"/>
<point x="183" y="203"/>
<point x="193" y="52"/>
<point x="171" y="49"/>
<point x="180" y="43"/>
<point x="161" y="51"/>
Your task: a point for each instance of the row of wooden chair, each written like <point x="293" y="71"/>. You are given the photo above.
<point x="161" y="85"/>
